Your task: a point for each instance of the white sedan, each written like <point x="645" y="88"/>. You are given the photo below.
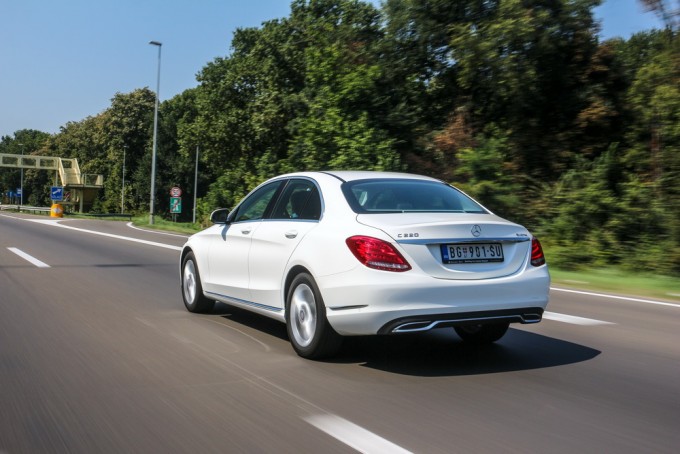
<point x="345" y="253"/>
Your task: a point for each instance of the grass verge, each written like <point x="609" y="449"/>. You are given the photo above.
<point x="613" y="280"/>
<point x="162" y="224"/>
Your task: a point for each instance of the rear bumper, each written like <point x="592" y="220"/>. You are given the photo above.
<point x="419" y="323"/>
<point x="366" y="302"/>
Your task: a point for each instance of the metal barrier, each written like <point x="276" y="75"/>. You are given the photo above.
<point x="21" y="208"/>
<point x="47" y="210"/>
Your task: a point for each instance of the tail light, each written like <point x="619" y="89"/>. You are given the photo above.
<point x="537" y="256"/>
<point x="377" y="254"/>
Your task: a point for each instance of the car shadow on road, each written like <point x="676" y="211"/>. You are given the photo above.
<point x="442" y="353"/>
<point x="251" y="320"/>
<point x="434" y="353"/>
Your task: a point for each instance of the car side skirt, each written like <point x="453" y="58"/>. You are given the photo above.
<point x="269" y="311"/>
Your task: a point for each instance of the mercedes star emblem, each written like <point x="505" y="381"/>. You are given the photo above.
<point x="476" y="230"/>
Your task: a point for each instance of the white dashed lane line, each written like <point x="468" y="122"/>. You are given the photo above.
<point x="28" y="258"/>
<point x="616" y="297"/>
<point x="354" y="436"/>
<point x="572" y="319"/>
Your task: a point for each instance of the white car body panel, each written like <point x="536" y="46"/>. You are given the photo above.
<point x="273" y="244"/>
<point x="421" y="234"/>
<point x="228" y="260"/>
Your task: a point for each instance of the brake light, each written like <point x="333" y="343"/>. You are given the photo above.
<point x="377" y="254"/>
<point x="537" y="256"/>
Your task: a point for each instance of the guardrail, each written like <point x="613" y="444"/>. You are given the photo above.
<point x="25" y="208"/>
<point x="47" y="210"/>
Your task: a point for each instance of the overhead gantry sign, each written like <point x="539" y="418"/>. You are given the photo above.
<point x="83" y="186"/>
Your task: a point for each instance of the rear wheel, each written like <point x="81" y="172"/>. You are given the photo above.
<point x="309" y="332"/>
<point x="482" y="334"/>
<point x="192" y="291"/>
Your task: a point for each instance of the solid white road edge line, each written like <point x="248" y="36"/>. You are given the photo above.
<point x="28" y="258"/>
<point x="352" y="435"/>
<point x="572" y="319"/>
<point x="110" y="235"/>
<point x="615" y="297"/>
<point x="120" y="237"/>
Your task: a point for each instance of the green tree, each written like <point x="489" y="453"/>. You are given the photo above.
<point x="27" y="142"/>
<point x="340" y="128"/>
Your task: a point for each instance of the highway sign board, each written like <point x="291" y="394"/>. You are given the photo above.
<point x="57" y="193"/>
<point x="175" y="205"/>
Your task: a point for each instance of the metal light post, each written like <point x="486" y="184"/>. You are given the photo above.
<point x="122" y="190"/>
<point x="21" y="186"/>
<point x="155" y="133"/>
<point x="195" y="185"/>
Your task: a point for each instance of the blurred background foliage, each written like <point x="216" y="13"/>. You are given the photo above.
<point x="517" y="102"/>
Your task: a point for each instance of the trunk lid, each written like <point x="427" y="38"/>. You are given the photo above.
<point x="456" y="245"/>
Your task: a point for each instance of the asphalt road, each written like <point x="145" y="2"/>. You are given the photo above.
<point x="98" y="354"/>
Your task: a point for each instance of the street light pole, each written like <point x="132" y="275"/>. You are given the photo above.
<point x="21" y="186"/>
<point x="122" y="191"/>
<point x="195" y="185"/>
<point x="155" y="133"/>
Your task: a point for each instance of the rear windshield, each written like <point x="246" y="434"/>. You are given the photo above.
<point x="407" y="196"/>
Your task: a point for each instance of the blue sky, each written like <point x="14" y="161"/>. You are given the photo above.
<point x="63" y="60"/>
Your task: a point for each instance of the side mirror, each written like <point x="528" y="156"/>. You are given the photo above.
<point x="219" y="216"/>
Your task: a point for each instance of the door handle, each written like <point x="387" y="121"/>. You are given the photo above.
<point x="291" y="234"/>
<point x="246" y="231"/>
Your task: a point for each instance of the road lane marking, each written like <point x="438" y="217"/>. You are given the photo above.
<point x="28" y="258"/>
<point x="352" y="435"/>
<point x="56" y="223"/>
<point x="572" y="319"/>
<point x="615" y="297"/>
<point x="120" y="237"/>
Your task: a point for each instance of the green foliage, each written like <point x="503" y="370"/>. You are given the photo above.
<point x="516" y="101"/>
<point x="27" y="142"/>
<point x="485" y="172"/>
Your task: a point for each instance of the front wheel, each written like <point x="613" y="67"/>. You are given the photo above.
<point x="309" y="332"/>
<point x="192" y="291"/>
<point x="482" y="334"/>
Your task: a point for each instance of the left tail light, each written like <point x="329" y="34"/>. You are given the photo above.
<point x="537" y="256"/>
<point x="377" y="254"/>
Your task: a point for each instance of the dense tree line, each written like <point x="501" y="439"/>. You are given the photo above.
<point x="516" y="101"/>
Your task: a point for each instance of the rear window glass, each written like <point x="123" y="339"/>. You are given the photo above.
<point x="407" y="196"/>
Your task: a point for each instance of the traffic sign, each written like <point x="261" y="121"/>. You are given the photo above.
<point x="57" y="193"/>
<point x="18" y="192"/>
<point x="175" y="205"/>
<point x="176" y="192"/>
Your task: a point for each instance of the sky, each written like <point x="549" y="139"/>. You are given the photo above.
<point x="63" y="60"/>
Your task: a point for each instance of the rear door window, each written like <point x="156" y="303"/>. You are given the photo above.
<point x="299" y="200"/>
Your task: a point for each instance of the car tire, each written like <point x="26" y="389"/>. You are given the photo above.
<point x="310" y="334"/>
<point x="192" y="290"/>
<point x="482" y="334"/>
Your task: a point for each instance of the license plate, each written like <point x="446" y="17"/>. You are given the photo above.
<point x="472" y="253"/>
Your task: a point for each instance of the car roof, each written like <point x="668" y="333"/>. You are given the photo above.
<point x="354" y="175"/>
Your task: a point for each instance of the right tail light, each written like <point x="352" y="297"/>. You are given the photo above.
<point x="537" y="256"/>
